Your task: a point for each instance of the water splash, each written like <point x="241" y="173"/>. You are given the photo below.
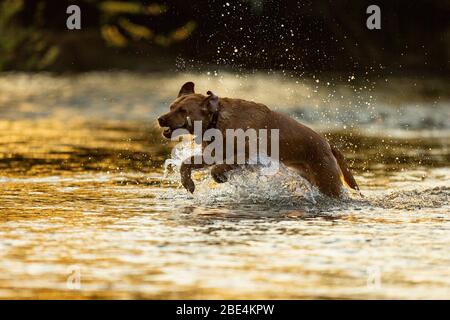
<point x="245" y="184"/>
<point x="287" y="189"/>
<point x="437" y="197"/>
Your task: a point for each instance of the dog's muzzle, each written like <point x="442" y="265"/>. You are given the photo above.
<point x="169" y="129"/>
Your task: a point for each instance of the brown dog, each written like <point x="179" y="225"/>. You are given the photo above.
<point x="300" y="147"/>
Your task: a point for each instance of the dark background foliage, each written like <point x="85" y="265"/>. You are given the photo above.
<point x="299" y="36"/>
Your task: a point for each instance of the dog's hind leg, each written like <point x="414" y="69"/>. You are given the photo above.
<point x="327" y="176"/>
<point x="348" y="176"/>
<point x="322" y="174"/>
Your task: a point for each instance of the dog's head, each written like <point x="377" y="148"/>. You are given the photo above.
<point x="187" y="108"/>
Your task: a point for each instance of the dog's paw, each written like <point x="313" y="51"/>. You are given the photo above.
<point x="219" y="173"/>
<point x="188" y="184"/>
<point x="219" y="177"/>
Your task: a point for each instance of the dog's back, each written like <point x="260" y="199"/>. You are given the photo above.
<point x="298" y="144"/>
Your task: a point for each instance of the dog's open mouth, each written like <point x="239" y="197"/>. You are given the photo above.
<point x="169" y="131"/>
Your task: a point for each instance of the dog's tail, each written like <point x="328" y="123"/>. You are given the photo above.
<point x="348" y="176"/>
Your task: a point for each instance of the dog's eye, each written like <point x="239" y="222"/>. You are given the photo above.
<point x="182" y="110"/>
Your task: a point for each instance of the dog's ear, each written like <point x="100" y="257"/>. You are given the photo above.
<point x="213" y="102"/>
<point x="187" y="88"/>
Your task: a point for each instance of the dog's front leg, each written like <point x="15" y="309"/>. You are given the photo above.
<point x="192" y="163"/>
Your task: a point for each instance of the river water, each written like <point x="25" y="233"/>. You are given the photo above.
<point x="91" y="205"/>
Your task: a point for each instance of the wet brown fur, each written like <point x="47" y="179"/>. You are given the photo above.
<point x="300" y="147"/>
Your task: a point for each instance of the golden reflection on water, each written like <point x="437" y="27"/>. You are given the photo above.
<point x="92" y="197"/>
<point x="89" y="195"/>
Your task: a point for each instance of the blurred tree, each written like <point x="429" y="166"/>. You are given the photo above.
<point x="23" y="47"/>
<point x="117" y="27"/>
<point x="31" y="34"/>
